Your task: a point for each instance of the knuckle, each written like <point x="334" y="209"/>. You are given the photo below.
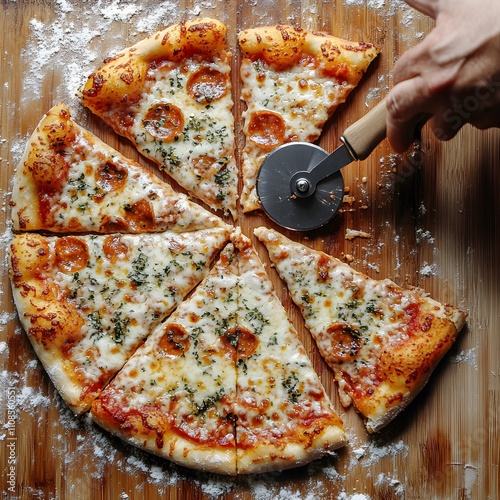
<point x="393" y="107"/>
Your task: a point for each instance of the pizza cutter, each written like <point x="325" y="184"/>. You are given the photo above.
<point x="300" y="186"/>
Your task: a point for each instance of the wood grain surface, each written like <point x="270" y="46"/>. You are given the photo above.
<point x="433" y="216"/>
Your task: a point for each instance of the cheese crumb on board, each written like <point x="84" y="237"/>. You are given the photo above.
<point x="350" y="234"/>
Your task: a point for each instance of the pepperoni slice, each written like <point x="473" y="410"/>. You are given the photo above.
<point x="230" y="341"/>
<point x="113" y="225"/>
<point x="164" y="121"/>
<point x="266" y="129"/>
<point x="240" y="343"/>
<point x="72" y="254"/>
<point x="140" y="216"/>
<point x="247" y="343"/>
<point x="207" y="85"/>
<point x="345" y="341"/>
<point x="114" y="248"/>
<point x="111" y="177"/>
<point x="175" y="341"/>
<point x="205" y="166"/>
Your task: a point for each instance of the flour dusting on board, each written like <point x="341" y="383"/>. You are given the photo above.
<point x="70" y="44"/>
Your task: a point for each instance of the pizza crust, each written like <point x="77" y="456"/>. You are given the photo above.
<point x="176" y="448"/>
<point x="381" y="341"/>
<point x="268" y="458"/>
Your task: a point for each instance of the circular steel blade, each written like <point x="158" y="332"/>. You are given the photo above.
<point x="277" y="199"/>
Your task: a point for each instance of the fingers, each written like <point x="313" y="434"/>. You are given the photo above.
<point x="426" y="59"/>
<point x="407" y="103"/>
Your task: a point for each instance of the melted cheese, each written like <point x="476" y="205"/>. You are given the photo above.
<point x="78" y="200"/>
<point x="194" y="386"/>
<point x="124" y="300"/>
<point x="298" y="94"/>
<point x="279" y="394"/>
<point x="207" y="134"/>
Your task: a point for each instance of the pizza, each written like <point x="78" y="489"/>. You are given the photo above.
<point x="170" y="95"/>
<point x="292" y="82"/>
<point x="382" y="341"/>
<point x="224" y="384"/>
<point x="87" y="302"/>
<point x="68" y="180"/>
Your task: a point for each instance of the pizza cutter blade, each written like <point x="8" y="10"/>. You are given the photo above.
<point x="300" y="186"/>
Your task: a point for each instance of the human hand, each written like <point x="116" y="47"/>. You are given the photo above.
<point x="452" y="77"/>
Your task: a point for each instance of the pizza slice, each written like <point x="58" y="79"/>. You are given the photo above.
<point x="175" y="396"/>
<point x="292" y="82"/>
<point x="382" y="341"/>
<point x="87" y="302"/>
<point x="170" y="95"/>
<point x="284" y="418"/>
<point x="70" y="181"/>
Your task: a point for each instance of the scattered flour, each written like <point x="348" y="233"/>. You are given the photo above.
<point x="428" y="270"/>
<point x="4" y="348"/>
<point x="355" y="496"/>
<point x="468" y="357"/>
<point x="118" y="11"/>
<point x="387" y="8"/>
<point x="470" y="479"/>
<point x="70" y="42"/>
<point x="374" y="452"/>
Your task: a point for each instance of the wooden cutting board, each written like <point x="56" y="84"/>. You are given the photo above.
<point x="433" y="218"/>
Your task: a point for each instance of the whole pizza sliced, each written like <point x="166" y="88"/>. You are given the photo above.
<point x="292" y="82"/>
<point x="382" y="341"/>
<point x="224" y="385"/>
<point x="170" y="94"/>
<point x="87" y="302"/>
<point x="70" y="181"/>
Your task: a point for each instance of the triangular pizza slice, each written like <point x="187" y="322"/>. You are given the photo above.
<point x="224" y="385"/>
<point x="70" y="181"/>
<point x="382" y="341"/>
<point x="284" y="418"/>
<point x="292" y="82"/>
<point x="170" y="94"/>
<point x="87" y="302"/>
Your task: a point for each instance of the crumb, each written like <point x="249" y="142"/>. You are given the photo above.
<point x="350" y="234"/>
<point x="346" y="257"/>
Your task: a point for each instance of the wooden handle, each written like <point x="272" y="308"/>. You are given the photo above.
<point x="363" y="136"/>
